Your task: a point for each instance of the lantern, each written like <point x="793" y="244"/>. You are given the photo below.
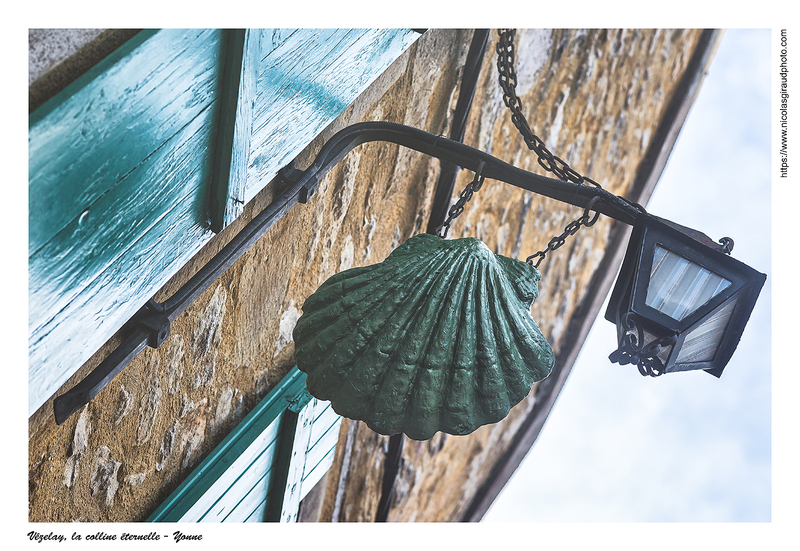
<point x="680" y="302"/>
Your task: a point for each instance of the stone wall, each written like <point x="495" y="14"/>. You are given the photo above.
<point x="595" y="97"/>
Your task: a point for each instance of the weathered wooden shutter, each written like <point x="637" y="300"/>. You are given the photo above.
<point x="122" y="165"/>
<point x="265" y="466"/>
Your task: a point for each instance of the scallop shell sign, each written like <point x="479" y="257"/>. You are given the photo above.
<point x="437" y="337"/>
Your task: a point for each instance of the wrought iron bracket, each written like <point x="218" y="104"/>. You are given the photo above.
<point x="291" y="176"/>
<point x="633" y="350"/>
<point x="153" y="318"/>
<point x="467" y="157"/>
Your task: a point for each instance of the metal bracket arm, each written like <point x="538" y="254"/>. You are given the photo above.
<point x="467" y="157"/>
<point x="153" y="318"/>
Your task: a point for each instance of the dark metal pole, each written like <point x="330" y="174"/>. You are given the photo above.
<point x="448" y="171"/>
<point x="466" y="157"/>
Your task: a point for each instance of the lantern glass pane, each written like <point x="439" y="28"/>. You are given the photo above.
<point x="678" y="287"/>
<point x="701" y="344"/>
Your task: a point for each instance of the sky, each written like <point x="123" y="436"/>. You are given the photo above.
<point x="685" y="447"/>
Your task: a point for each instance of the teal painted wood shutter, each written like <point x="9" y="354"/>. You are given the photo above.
<point x="265" y="466"/>
<point x="122" y="166"/>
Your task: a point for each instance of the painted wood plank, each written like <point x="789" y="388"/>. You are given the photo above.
<point x="125" y="215"/>
<point x="324" y="435"/>
<point x="320" y="458"/>
<point x="258" y="512"/>
<point x="242" y="63"/>
<point x="249" y="491"/>
<point x="299" y="95"/>
<point x="84" y="144"/>
<point x="324" y="443"/>
<point x="245" y="472"/>
<point x="297" y="463"/>
<point x="318" y="471"/>
<point x="100" y="269"/>
<point x="252" y="505"/>
<point x="325" y="418"/>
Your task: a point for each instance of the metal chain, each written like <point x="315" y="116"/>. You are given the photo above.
<point x="548" y="161"/>
<point x="463" y="198"/>
<point x="571" y="229"/>
<point x="508" y="82"/>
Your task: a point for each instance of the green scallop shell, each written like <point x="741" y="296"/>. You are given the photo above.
<point x="437" y="337"/>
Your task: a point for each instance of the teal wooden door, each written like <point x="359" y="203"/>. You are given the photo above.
<point x="265" y="466"/>
<point x="122" y="170"/>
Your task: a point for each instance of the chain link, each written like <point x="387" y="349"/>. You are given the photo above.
<point x="548" y="161"/>
<point x="571" y="229"/>
<point x="456" y="210"/>
<point x="508" y="82"/>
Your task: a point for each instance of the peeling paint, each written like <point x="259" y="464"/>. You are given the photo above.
<point x="288" y="321"/>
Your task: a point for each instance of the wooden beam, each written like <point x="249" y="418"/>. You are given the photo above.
<point x="232" y="151"/>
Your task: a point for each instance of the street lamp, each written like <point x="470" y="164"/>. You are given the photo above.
<point x="680" y="302"/>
